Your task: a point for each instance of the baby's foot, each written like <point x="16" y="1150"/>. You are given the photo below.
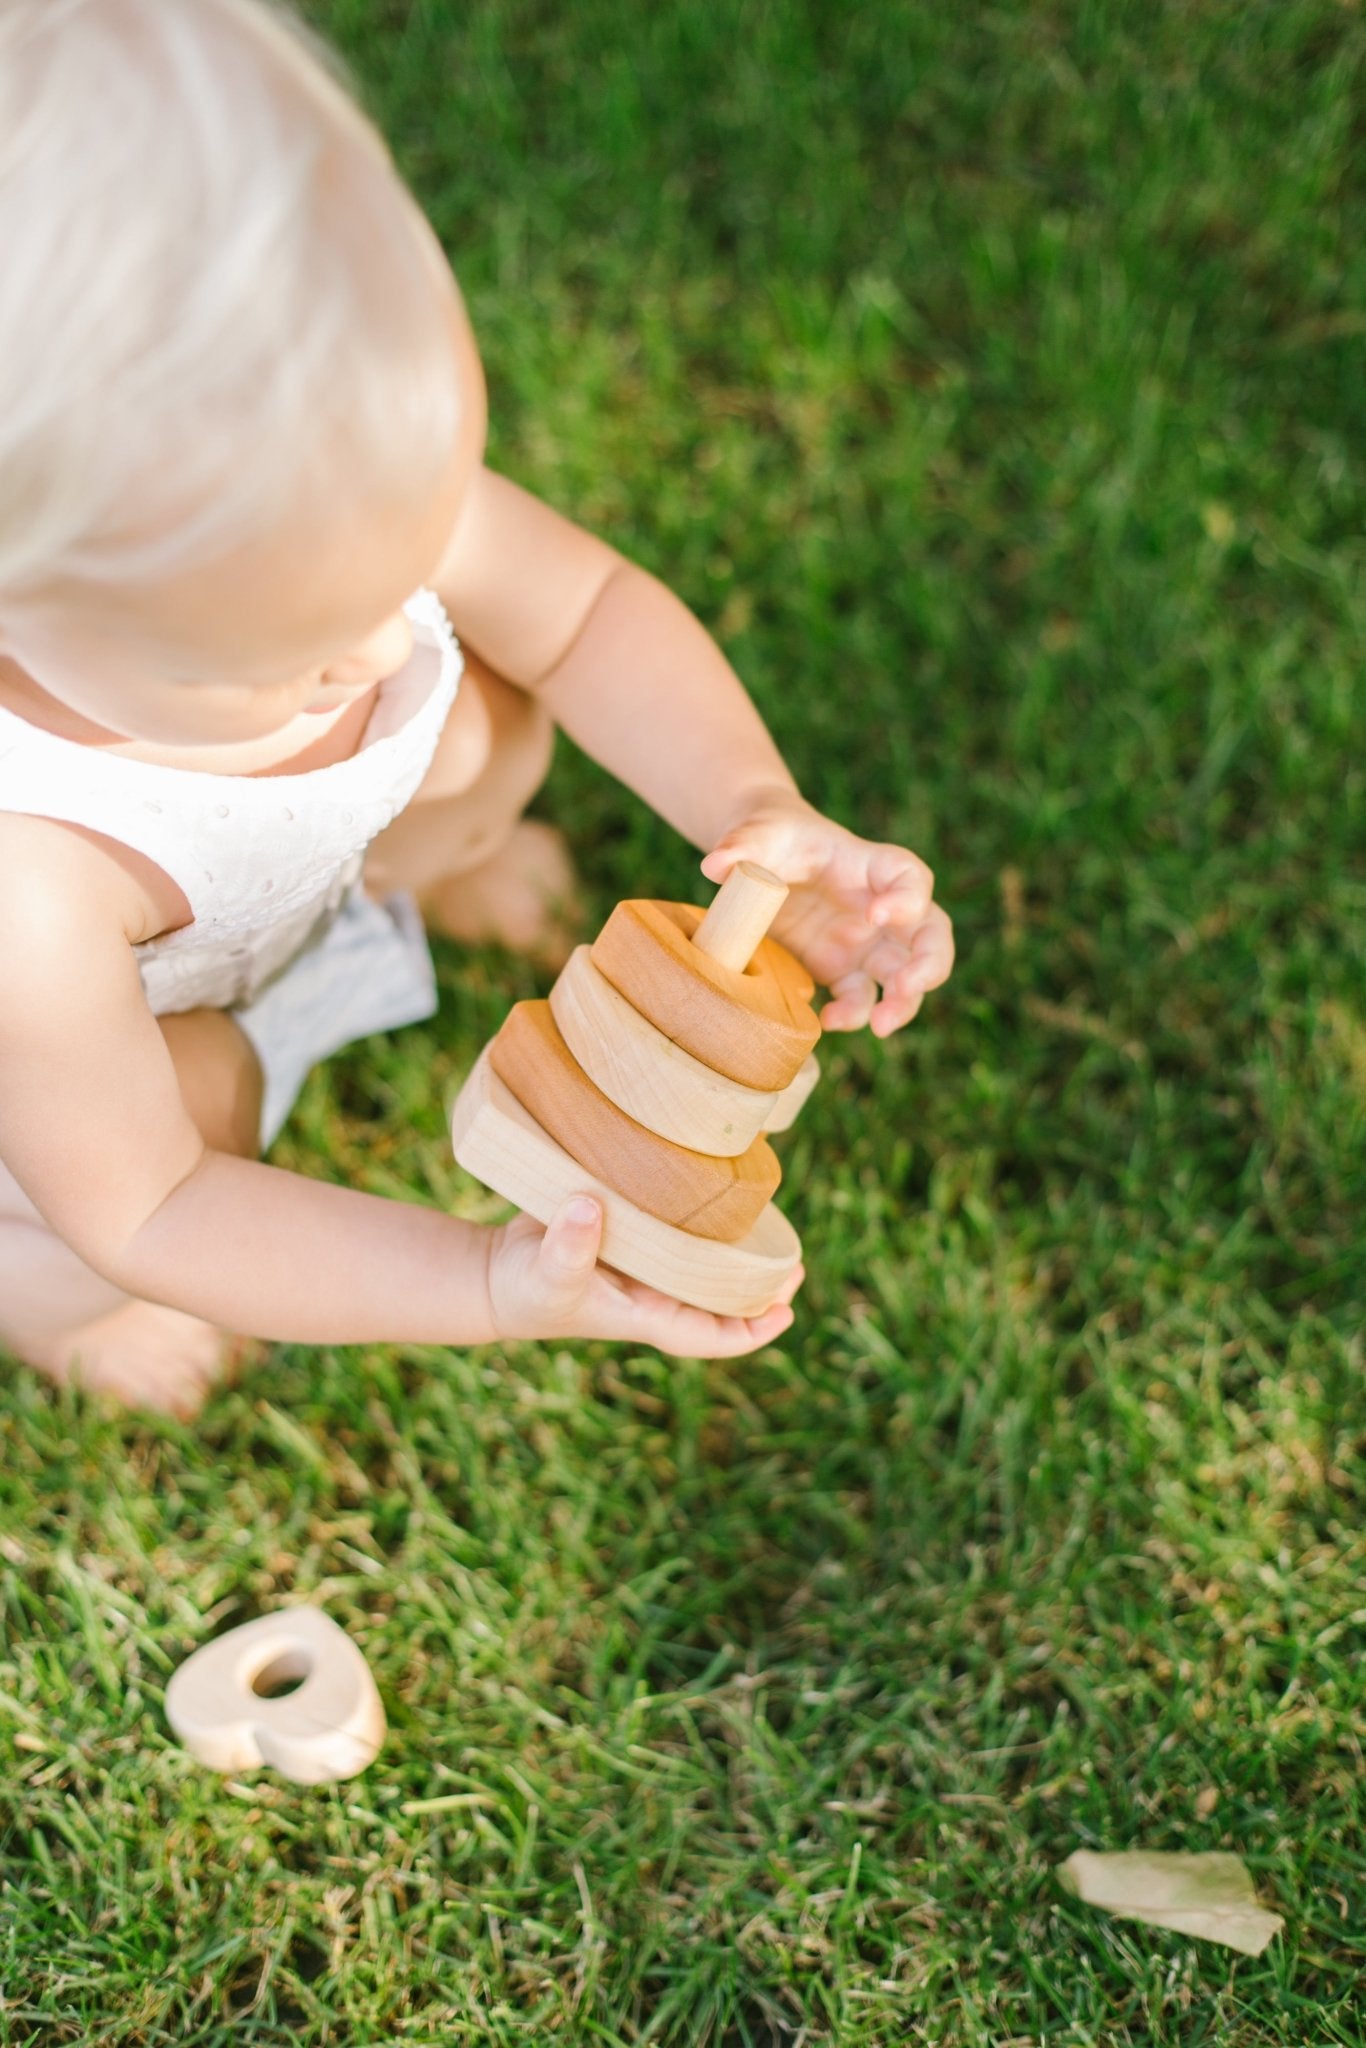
<point x="526" y="898"/>
<point x="140" y="1354"/>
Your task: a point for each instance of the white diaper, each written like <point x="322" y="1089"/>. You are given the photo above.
<point x="367" y="969"/>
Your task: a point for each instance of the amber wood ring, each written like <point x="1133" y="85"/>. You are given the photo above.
<point x="710" y="1196"/>
<point x="502" y="1145"/>
<point x="654" y="1080"/>
<point x="754" y="1025"/>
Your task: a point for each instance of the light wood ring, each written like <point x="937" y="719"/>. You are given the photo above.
<point x="653" y="1079"/>
<point x="695" y="1191"/>
<point x="502" y="1145"/>
<point x="331" y="1727"/>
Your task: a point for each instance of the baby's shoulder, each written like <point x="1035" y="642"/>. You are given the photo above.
<point x="61" y="880"/>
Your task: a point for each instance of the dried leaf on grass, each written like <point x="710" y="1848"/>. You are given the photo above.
<point x="1210" y="1896"/>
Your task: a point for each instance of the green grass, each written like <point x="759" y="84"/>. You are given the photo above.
<point x="990" y="379"/>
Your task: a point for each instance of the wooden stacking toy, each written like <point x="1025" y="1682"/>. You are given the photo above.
<point x="667" y="1051"/>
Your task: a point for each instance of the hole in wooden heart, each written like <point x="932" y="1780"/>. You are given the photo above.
<point x="282" y="1675"/>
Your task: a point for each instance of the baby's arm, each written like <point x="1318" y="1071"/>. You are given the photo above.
<point x="619" y="661"/>
<point x="631" y="675"/>
<point x="93" y="1128"/>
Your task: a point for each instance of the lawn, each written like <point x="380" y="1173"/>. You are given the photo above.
<point x="989" y="380"/>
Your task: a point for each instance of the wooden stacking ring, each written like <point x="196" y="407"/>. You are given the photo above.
<point x="755" y="1026"/>
<point x="696" y="1191"/>
<point x="654" y="1080"/>
<point x="502" y="1145"/>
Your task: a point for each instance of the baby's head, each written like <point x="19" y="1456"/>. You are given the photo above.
<point x="239" y="399"/>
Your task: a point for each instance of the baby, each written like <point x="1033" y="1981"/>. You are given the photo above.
<point x="242" y="492"/>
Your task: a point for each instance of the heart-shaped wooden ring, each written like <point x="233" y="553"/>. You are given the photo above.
<point x="330" y="1727"/>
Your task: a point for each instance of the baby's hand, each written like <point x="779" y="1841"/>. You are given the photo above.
<point x="859" y="915"/>
<point x="547" y="1283"/>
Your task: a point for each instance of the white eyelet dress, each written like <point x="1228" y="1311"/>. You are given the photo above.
<point x="282" y="934"/>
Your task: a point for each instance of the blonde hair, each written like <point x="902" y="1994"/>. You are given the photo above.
<point x="218" y="303"/>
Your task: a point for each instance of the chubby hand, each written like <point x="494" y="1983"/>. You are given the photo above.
<point x="861" y="916"/>
<point x="547" y="1283"/>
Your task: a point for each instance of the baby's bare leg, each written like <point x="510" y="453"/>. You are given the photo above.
<point x="479" y="869"/>
<point x="58" y="1315"/>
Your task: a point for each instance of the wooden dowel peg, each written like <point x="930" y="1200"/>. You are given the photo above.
<point x="739" y="915"/>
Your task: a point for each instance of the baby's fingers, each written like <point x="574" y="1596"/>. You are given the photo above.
<point x="568" y="1253"/>
<point x="929" y="957"/>
<point x="926" y="963"/>
<point x="901" y="887"/>
<point x="684" y="1332"/>
<point x="765" y="845"/>
<point x="733" y="1336"/>
<point x="851" y="1004"/>
<point x="693" y="1333"/>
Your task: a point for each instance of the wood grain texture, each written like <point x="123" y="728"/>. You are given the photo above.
<point x="755" y="1028"/>
<point x="502" y="1145"/>
<point x="656" y="1081"/>
<point x="696" y="1191"/>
